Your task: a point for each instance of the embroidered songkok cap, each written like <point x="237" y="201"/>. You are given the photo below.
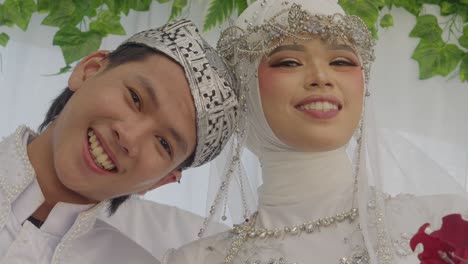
<point x="211" y="83"/>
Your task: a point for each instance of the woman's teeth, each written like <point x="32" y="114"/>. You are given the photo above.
<point x="99" y="155"/>
<point x="320" y="106"/>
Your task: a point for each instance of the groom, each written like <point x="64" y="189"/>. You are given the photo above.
<point x="129" y="121"/>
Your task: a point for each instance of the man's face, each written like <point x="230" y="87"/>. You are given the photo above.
<point x="126" y="129"/>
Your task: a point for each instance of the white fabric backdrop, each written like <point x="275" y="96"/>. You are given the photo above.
<point x="26" y="92"/>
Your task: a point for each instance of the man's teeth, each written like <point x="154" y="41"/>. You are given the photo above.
<point x="320" y="106"/>
<point x="100" y="156"/>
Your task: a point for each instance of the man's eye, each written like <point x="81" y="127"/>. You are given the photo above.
<point x="342" y="63"/>
<point x="165" y="145"/>
<point x="135" y="98"/>
<point x="287" y="64"/>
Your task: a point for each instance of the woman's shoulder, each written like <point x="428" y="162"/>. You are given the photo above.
<point x="211" y="249"/>
<point x="428" y="205"/>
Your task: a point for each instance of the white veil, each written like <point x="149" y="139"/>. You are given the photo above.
<point x="413" y="142"/>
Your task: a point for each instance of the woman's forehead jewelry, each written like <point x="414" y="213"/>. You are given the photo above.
<point x="296" y="24"/>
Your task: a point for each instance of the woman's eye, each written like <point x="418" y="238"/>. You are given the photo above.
<point x="135" y="98"/>
<point x="165" y="145"/>
<point x="342" y="62"/>
<point x="287" y="64"/>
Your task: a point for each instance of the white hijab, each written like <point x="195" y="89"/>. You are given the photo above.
<point x="388" y="160"/>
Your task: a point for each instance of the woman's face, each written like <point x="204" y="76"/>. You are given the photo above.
<point x="312" y="94"/>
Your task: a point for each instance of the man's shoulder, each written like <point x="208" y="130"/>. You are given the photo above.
<point x="157" y="227"/>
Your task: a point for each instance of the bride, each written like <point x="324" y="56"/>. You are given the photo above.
<point x="329" y="193"/>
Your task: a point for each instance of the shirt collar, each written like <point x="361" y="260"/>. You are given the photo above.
<point x="21" y="189"/>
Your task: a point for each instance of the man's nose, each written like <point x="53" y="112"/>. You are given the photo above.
<point x="130" y="135"/>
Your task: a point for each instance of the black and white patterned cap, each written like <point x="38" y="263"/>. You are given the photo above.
<point x="211" y="83"/>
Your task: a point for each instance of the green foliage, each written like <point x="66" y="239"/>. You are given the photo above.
<point x="448" y="8"/>
<point x="106" y="23"/>
<point x="434" y="54"/>
<point x="412" y="6"/>
<point x="241" y="5"/>
<point x="63" y="13"/>
<point x="124" y="6"/>
<point x="4" y="39"/>
<point x="177" y="7"/>
<point x="43" y="6"/>
<point x="76" y="44"/>
<point x="463" y="40"/>
<point x="464" y="69"/>
<point x="18" y="12"/>
<point x="82" y="24"/>
<point x="386" y="21"/>
<point x="436" y="58"/>
<point x="367" y="10"/>
<point x="220" y="10"/>
<point x="427" y="27"/>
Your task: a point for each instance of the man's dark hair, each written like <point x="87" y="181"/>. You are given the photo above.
<point x="123" y="54"/>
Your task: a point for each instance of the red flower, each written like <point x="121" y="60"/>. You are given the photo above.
<point x="449" y="244"/>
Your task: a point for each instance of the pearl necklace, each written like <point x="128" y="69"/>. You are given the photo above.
<point x="248" y="231"/>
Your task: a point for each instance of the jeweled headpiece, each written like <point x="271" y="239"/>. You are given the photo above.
<point x="211" y="83"/>
<point x="293" y="22"/>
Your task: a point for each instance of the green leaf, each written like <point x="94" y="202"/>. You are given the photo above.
<point x="177" y="7"/>
<point x="464" y="2"/>
<point x="431" y="2"/>
<point x="63" y="13"/>
<point x="3" y="20"/>
<point x="163" y="1"/>
<point x="462" y="11"/>
<point x="389" y="3"/>
<point x="76" y="44"/>
<point x="96" y="3"/>
<point x="427" y="27"/>
<point x="447" y="8"/>
<point x="19" y="12"/>
<point x="43" y="6"/>
<point x="124" y="6"/>
<point x="463" y="40"/>
<point x="241" y="5"/>
<point x="367" y="10"/>
<point x="218" y="12"/>
<point x="107" y="23"/>
<point x="386" y="21"/>
<point x="142" y="5"/>
<point x="412" y="6"/>
<point x="86" y="8"/>
<point x="4" y="38"/>
<point x="62" y="70"/>
<point x="464" y="68"/>
<point x="436" y="58"/>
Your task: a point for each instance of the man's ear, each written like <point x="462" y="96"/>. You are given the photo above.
<point x="87" y="67"/>
<point x="172" y="177"/>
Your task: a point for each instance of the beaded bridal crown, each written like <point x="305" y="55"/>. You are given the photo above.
<point x="293" y="22"/>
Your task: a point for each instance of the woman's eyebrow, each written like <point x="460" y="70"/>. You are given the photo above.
<point x="287" y="47"/>
<point x="341" y="47"/>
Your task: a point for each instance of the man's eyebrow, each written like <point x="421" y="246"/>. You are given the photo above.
<point x="149" y="88"/>
<point x="287" y="47"/>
